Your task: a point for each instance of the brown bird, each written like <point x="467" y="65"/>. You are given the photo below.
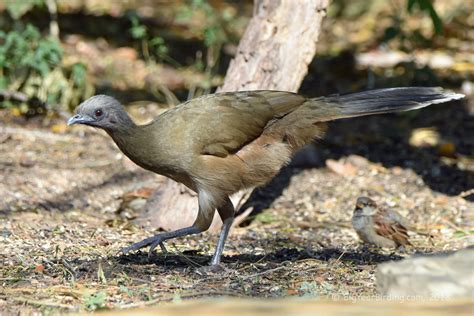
<point x="221" y="143"/>
<point x="379" y="227"/>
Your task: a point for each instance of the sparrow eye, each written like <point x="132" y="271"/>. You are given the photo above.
<point x="98" y="113"/>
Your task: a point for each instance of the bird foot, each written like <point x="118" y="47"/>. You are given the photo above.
<point x="153" y="242"/>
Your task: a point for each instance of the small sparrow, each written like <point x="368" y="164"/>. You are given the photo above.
<point x="382" y="228"/>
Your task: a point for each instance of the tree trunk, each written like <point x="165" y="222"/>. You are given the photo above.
<point x="279" y="43"/>
<point x="274" y="53"/>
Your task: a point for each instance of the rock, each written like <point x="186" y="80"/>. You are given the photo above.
<point x="440" y="276"/>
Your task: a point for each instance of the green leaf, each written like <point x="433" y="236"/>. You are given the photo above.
<point x="157" y="41"/>
<point x="79" y="74"/>
<point x="95" y="301"/>
<point x="410" y="5"/>
<point x="427" y="6"/>
<point x="137" y="30"/>
<point x="17" y="8"/>
<point x="437" y="23"/>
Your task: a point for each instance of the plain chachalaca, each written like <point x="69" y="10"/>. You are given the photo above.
<point x="221" y="143"/>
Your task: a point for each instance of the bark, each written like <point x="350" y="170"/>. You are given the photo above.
<point x="273" y="54"/>
<point x="279" y="43"/>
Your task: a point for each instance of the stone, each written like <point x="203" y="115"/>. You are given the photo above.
<point x="438" y="276"/>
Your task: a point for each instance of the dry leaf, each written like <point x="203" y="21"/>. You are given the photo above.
<point x="341" y="168"/>
<point x="58" y="128"/>
<point x="447" y="150"/>
<point x="421" y="137"/>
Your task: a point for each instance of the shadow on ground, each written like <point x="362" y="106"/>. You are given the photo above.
<point x="193" y="258"/>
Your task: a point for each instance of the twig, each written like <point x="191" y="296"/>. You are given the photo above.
<point x="339" y="258"/>
<point x="7" y="95"/>
<point x="35" y="133"/>
<point x="68" y="268"/>
<point x="166" y="298"/>
<point x="36" y="302"/>
<point x="186" y="258"/>
<point x="14" y="279"/>
<point x="53" y="12"/>
<point x="466" y="193"/>
<point x="22" y="97"/>
<point x="263" y="273"/>
<point x="306" y="225"/>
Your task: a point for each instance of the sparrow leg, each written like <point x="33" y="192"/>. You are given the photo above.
<point x="202" y="223"/>
<point x="226" y="213"/>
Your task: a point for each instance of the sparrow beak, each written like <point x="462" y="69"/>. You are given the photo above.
<point x="79" y="119"/>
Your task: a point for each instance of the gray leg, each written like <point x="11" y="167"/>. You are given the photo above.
<point x="226" y="213"/>
<point x="159" y="238"/>
<point x="202" y="223"/>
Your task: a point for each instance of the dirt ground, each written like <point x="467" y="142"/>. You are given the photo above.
<point x="60" y="190"/>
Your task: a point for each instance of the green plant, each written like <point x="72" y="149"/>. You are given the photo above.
<point x="153" y="48"/>
<point x="216" y="23"/>
<point x="25" y="53"/>
<point x="308" y="289"/>
<point x="95" y="301"/>
<point x="398" y="30"/>
<point x="17" y="8"/>
<point x="427" y="5"/>
<point x="216" y="29"/>
<point x="31" y="66"/>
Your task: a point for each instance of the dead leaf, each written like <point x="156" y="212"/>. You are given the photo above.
<point x="102" y="241"/>
<point x="58" y="128"/>
<point x="421" y="137"/>
<point x="447" y="150"/>
<point x="341" y="168"/>
<point x="143" y="193"/>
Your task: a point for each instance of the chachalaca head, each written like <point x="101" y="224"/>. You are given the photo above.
<point x="103" y="112"/>
<point x="221" y="143"/>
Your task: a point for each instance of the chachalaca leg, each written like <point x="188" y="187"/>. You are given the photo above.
<point x="203" y="221"/>
<point x="226" y="212"/>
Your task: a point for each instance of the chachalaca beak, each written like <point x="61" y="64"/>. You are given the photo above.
<point x="79" y="119"/>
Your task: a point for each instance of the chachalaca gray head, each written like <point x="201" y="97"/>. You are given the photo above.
<point x="103" y="112"/>
<point x="221" y="143"/>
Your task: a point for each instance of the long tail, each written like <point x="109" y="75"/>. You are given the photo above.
<point x="380" y="101"/>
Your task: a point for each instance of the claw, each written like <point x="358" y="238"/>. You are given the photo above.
<point x="151" y="241"/>
<point x="163" y="248"/>
<point x="138" y="245"/>
<point x="154" y="245"/>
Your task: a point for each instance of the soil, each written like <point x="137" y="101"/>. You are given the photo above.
<point x="69" y="197"/>
<point x="61" y="229"/>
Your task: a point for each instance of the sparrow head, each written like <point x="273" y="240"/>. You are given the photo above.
<point x="101" y="111"/>
<point x="365" y="206"/>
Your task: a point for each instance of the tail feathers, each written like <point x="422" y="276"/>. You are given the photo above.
<point x="387" y="101"/>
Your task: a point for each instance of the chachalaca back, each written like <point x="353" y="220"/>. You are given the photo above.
<point x="221" y="143"/>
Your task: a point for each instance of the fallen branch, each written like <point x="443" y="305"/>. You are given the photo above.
<point x="35" y="102"/>
<point x="167" y="298"/>
<point x="37" y="302"/>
